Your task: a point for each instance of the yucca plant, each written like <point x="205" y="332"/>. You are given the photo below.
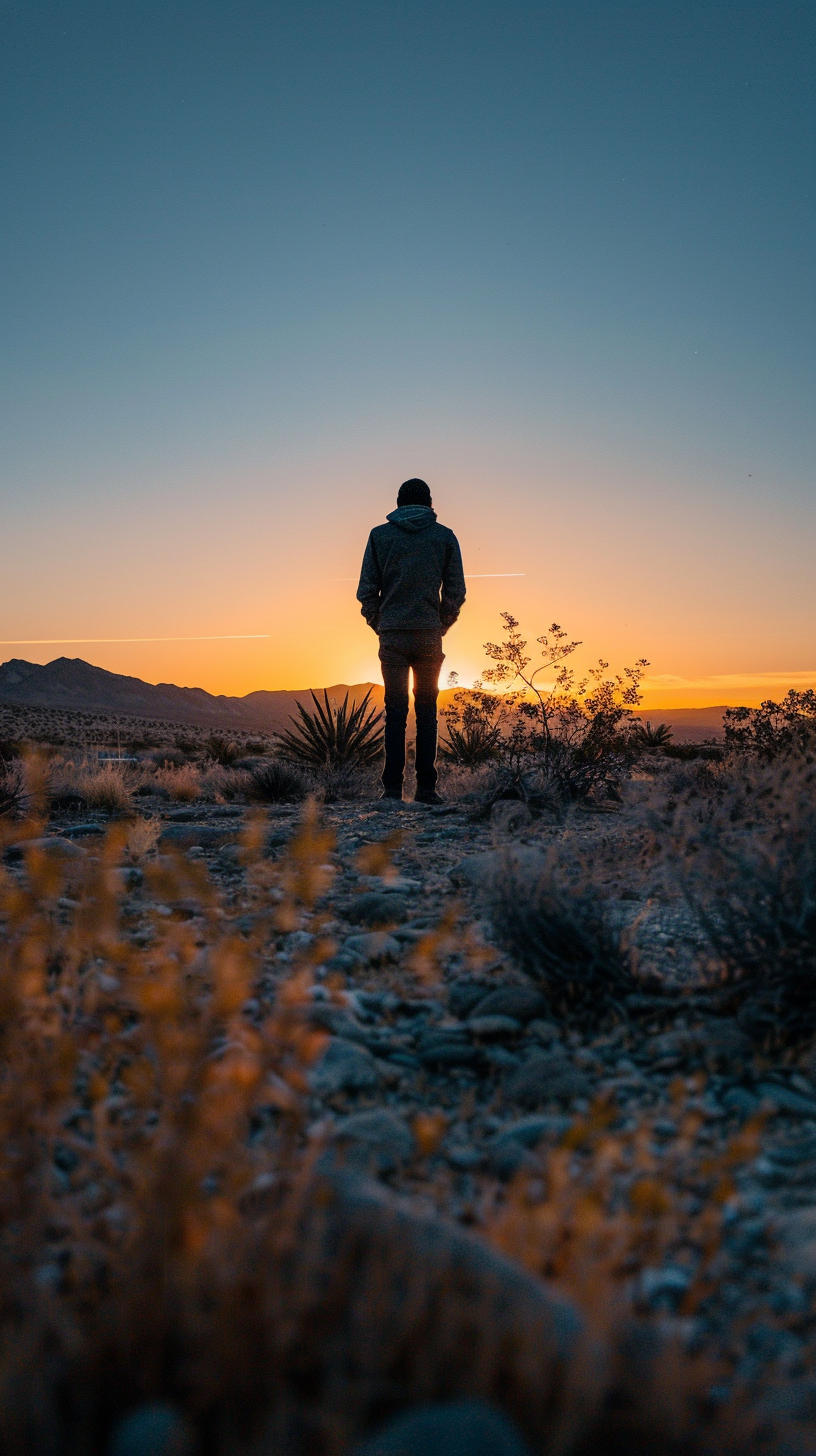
<point x="340" y="737"/>
<point x="470" y="744"/>
<point x="646" y="736"/>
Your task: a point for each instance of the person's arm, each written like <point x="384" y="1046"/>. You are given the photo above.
<point x="453" y="586"/>
<point x="369" y="592"/>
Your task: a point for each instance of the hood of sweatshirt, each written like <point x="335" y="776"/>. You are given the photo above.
<point x="412" y="518"/>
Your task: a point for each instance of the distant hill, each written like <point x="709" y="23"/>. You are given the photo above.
<point x="689" y="725"/>
<point x="70" y="683"/>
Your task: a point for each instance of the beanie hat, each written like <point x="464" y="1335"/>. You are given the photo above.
<point x="414" y="493"/>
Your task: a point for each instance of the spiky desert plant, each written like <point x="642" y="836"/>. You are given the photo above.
<point x="276" y="782"/>
<point x="337" y="736"/>
<point x="470" y="744"/>
<point x="645" y="736"/>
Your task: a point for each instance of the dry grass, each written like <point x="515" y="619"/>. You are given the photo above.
<point x="165" y="1235"/>
<point x="182" y="784"/>
<point x="107" y="787"/>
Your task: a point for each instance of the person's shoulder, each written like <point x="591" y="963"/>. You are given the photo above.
<point x="383" y="529"/>
<point x="445" y="531"/>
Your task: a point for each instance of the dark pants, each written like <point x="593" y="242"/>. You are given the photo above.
<point x="401" y="652"/>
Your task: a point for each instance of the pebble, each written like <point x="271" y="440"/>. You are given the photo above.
<point x="152" y="1430"/>
<point x="376" y="907"/>
<point x="376" y="1141"/>
<point x="55" y="848"/>
<point x="786" y="1100"/>
<point x="522" y="1003"/>
<point x="546" y="1077"/>
<point x="344" y="1067"/>
<point x="494" y="1027"/>
<point x="373" y="947"/>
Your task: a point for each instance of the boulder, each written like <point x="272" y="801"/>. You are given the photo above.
<point x="377" y="907"/>
<point x="373" y="947"/>
<point x="52" y="845"/>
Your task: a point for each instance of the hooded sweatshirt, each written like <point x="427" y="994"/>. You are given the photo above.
<point x="412" y="577"/>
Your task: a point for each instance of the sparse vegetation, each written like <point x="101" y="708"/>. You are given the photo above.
<point x="223" y="750"/>
<point x="277" y="782"/>
<point x="558" y="744"/>
<point x="559" y="931"/>
<point x="107" y="787"/>
<point x="14" y="797"/>
<point x="334" y="736"/>
<point x="774" y="728"/>
<point x="645" y="736"/>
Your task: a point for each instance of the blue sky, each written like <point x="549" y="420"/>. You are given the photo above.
<point x="261" y="261"/>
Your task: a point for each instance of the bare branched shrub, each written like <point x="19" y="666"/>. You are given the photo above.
<point x="559" y="931"/>
<point x="14" y="796"/>
<point x="556" y="743"/>
<point x="749" y="870"/>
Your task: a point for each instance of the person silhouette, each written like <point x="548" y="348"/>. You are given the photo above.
<point x="412" y="588"/>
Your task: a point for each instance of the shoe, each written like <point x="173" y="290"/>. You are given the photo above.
<point x="392" y="794"/>
<point x="428" y="796"/>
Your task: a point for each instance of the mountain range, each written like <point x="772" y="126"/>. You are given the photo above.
<point x="71" y="683"/>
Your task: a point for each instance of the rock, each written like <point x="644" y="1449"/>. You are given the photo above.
<point x="494" y="1028"/>
<point x="508" y="1322"/>
<point x="718" y="1042"/>
<point x="465" y="993"/>
<point x="523" y="1003"/>
<point x="373" y="947"/>
<point x="397" y="885"/>
<point x="664" y="1287"/>
<point x="459" y="1428"/>
<point x="510" y="1148"/>
<point x="378" y="1141"/>
<point x="479" y="871"/>
<point x="51" y="845"/>
<point x="152" y="1430"/>
<point x="546" y="1077"/>
<point x="448" y="1053"/>
<point x="376" y="907"/>
<point x="784" y="1099"/>
<point x="344" y="1067"/>
<point x="81" y="831"/>
<point x="463" y="1157"/>
<point x="206" y="836"/>
<point x="740" y="1101"/>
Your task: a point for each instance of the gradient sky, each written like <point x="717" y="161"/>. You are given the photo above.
<point x="262" y="261"/>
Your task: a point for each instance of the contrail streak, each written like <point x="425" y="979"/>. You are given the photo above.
<point x="469" y="575"/>
<point x="80" y="641"/>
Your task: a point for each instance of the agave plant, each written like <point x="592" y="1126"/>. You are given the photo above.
<point x="341" y="737"/>
<point x="648" y="737"/>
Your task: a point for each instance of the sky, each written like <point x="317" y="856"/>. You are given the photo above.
<point x="261" y="261"/>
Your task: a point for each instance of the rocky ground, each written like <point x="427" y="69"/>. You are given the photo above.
<point x="444" y="1075"/>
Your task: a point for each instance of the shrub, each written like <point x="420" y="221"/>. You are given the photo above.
<point x="645" y="736"/>
<point x="340" y="737"/>
<point x="276" y="782"/>
<point x="774" y="728"/>
<point x="10" y="750"/>
<point x="222" y="750"/>
<point x="474" y="742"/>
<point x="568" y="737"/>
<point x="749" y="870"/>
<point x="181" y="784"/>
<point x="14" y="796"/>
<point x="559" y="932"/>
<point x="108" y="787"/>
<point x="335" y="785"/>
